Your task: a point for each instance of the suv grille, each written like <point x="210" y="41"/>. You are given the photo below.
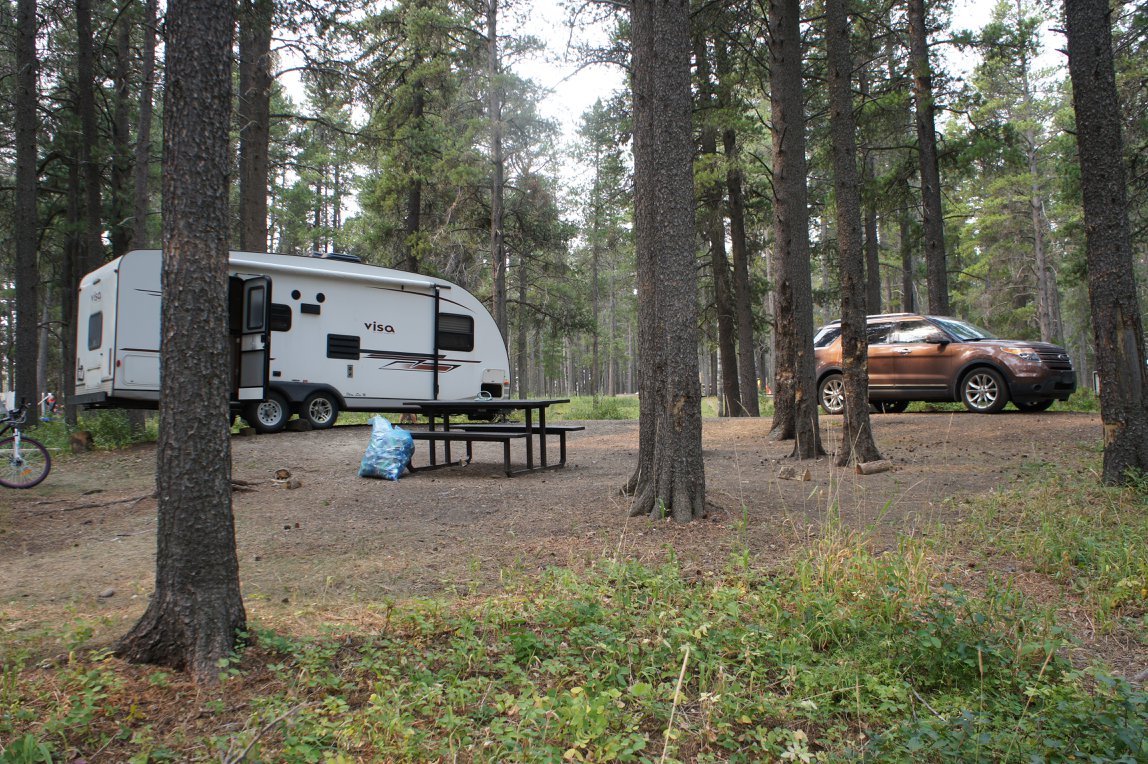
<point x="1055" y="359"/>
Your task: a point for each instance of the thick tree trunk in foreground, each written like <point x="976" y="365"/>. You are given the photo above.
<point x="254" y="107"/>
<point x="932" y="222"/>
<point x="27" y="231"/>
<point x="670" y="477"/>
<point x="857" y="444"/>
<point x="795" y="398"/>
<point x="196" y="611"/>
<point x="1116" y="323"/>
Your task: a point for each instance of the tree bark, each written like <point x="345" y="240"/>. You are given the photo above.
<point x="254" y="116"/>
<point x="908" y="288"/>
<point x="121" y="192"/>
<point x="872" y="241"/>
<point x="1117" y="329"/>
<point x="141" y="197"/>
<point x="413" y="220"/>
<point x="857" y="444"/>
<point x="931" y="215"/>
<point x="670" y="476"/>
<point x="27" y="274"/>
<point x="498" y="169"/>
<point x="742" y="289"/>
<point x="795" y="397"/>
<point x="194" y="616"/>
<point x="711" y="190"/>
<point x="749" y="404"/>
<point x="93" y="256"/>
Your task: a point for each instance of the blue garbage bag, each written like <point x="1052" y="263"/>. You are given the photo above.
<point x="388" y="452"/>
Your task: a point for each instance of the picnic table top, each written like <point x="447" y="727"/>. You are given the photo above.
<point x="469" y="404"/>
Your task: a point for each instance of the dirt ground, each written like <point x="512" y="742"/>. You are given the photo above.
<point x="83" y="543"/>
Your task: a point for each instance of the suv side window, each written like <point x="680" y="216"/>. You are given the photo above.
<point x="825" y="337"/>
<point x="878" y="334"/>
<point x="915" y="331"/>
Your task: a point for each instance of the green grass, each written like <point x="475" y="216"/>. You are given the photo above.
<point x="845" y="656"/>
<point x="110" y="429"/>
<point x="1092" y="538"/>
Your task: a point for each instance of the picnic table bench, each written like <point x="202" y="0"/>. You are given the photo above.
<point x="440" y="430"/>
<point x="446" y="437"/>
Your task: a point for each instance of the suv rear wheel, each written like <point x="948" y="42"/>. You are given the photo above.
<point x="983" y="391"/>
<point x="831" y="393"/>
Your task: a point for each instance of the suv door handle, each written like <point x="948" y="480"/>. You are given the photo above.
<point x="904" y="351"/>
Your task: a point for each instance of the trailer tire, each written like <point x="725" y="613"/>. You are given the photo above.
<point x="320" y="410"/>
<point x="270" y="415"/>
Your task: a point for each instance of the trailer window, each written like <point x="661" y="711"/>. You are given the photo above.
<point x="343" y="346"/>
<point x="455" y="332"/>
<point x="256" y="309"/>
<point x="280" y="320"/>
<point x="96" y="330"/>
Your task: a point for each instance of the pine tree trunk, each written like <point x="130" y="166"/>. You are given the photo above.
<point x="193" y="618"/>
<point x="498" y="168"/>
<point x="254" y="117"/>
<point x="749" y="405"/>
<point x="141" y="197"/>
<point x="908" y="289"/>
<point x="670" y="476"/>
<point x="872" y="248"/>
<point x="712" y="189"/>
<point x="121" y="192"/>
<point x="857" y="444"/>
<point x="86" y="107"/>
<point x="27" y="273"/>
<point x="1117" y="329"/>
<point x="795" y="396"/>
<point x="932" y="221"/>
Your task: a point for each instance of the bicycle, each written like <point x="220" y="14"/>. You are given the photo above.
<point x="24" y="461"/>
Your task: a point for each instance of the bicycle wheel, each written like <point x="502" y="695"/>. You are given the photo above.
<point x="26" y="468"/>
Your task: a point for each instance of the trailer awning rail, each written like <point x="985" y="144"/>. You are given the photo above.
<point x="262" y="266"/>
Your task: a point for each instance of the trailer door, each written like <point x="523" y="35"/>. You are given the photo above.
<point x="250" y="314"/>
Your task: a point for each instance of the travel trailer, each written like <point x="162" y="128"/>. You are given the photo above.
<point x="311" y="336"/>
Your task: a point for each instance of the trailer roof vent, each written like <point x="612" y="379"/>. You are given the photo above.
<point x="340" y="256"/>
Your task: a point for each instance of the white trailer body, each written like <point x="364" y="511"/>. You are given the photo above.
<point x="311" y="336"/>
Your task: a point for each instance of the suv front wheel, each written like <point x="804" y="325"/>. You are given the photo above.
<point x="983" y="391"/>
<point x="831" y="394"/>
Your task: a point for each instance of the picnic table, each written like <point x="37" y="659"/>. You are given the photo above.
<point x="440" y="430"/>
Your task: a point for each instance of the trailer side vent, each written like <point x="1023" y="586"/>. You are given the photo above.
<point x="343" y="346"/>
<point x="455" y="332"/>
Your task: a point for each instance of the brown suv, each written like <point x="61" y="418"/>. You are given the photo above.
<point x="933" y="358"/>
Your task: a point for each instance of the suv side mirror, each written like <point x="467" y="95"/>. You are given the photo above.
<point x="938" y="339"/>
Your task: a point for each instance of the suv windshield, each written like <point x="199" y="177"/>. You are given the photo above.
<point x="964" y="332"/>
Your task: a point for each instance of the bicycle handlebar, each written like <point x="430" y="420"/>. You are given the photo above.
<point x="18" y="415"/>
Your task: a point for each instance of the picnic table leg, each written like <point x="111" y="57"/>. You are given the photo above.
<point x="542" y="434"/>
<point x="529" y="441"/>
<point x="506" y="458"/>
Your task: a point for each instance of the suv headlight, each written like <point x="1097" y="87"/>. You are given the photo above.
<point x="1025" y="354"/>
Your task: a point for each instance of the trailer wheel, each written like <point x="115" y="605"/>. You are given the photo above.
<point x="320" y="410"/>
<point x="270" y="415"/>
